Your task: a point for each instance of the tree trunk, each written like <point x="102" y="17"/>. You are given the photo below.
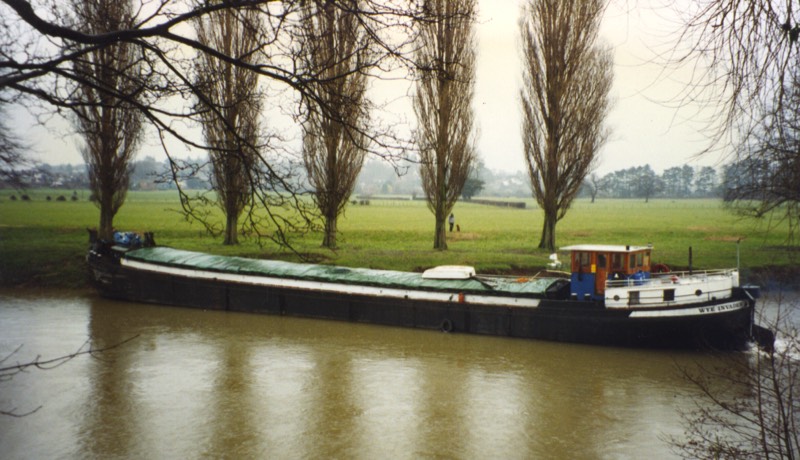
<point x="231" y="228"/>
<point x="106" y="230"/>
<point x="440" y="231"/>
<point x="331" y="224"/>
<point x="440" y="237"/>
<point x="548" y="240"/>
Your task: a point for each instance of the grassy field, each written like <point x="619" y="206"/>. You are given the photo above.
<point x="42" y="243"/>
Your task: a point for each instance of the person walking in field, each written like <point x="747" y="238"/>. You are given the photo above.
<point x="452" y="221"/>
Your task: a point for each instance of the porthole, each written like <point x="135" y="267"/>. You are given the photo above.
<point x="698" y="293"/>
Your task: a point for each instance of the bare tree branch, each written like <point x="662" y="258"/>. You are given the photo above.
<point x="8" y="372"/>
<point x="747" y="405"/>
<point x="762" y="179"/>
<point x="746" y="51"/>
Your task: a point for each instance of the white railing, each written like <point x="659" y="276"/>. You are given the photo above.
<point x="674" y="288"/>
<point x="661" y="279"/>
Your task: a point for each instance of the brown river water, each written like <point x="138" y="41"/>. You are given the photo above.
<point x="202" y="384"/>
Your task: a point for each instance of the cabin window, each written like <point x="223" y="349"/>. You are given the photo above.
<point x="601" y="261"/>
<point x="639" y="259"/>
<point x="669" y="295"/>
<point x="632" y="264"/>
<point x="583" y="261"/>
<point x="633" y="298"/>
<point x="646" y="259"/>
<point x="616" y="261"/>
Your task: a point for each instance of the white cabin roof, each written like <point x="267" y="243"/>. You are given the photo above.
<point x="605" y="248"/>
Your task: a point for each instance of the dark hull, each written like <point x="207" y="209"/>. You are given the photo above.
<point x="558" y="320"/>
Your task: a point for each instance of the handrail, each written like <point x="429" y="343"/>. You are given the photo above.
<point x="670" y="278"/>
<point x="655" y="299"/>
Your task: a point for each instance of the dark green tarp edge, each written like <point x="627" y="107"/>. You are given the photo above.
<point x="337" y="274"/>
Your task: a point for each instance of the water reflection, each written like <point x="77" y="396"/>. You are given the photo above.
<point x="390" y="404"/>
<point x="210" y="384"/>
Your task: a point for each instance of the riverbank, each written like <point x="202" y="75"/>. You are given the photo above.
<point x="43" y="243"/>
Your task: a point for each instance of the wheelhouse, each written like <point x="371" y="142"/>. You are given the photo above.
<point x="592" y="265"/>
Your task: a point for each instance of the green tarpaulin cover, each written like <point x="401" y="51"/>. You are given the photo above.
<point x="335" y="274"/>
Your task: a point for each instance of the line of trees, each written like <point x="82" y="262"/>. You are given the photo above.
<point x="135" y="60"/>
<point x="115" y="66"/>
<point x="380" y="178"/>
<point x="642" y="182"/>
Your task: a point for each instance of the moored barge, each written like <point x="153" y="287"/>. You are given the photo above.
<point x="612" y="295"/>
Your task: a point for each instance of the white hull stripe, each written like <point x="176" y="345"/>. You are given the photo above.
<point x="693" y="311"/>
<point x="354" y="289"/>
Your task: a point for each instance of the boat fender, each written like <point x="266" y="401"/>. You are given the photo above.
<point x="460" y="297"/>
<point x="446" y="326"/>
<point x="674" y="279"/>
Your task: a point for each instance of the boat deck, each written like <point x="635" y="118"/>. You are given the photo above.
<point x="487" y="285"/>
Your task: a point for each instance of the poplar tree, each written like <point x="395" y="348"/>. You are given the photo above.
<point x="229" y="106"/>
<point x="104" y="103"/>
<point x="442" y="104"/>
<point x="334" y="140"/>
<point x="566" y="81"/>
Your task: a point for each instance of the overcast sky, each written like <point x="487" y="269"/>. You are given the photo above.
<point x="645" y="128"/>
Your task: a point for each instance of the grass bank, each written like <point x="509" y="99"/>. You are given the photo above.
<point x="43" y="243"/>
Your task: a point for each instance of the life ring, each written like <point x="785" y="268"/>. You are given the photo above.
<point x="661" y="268"/>
<point x="446" y="326"/>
